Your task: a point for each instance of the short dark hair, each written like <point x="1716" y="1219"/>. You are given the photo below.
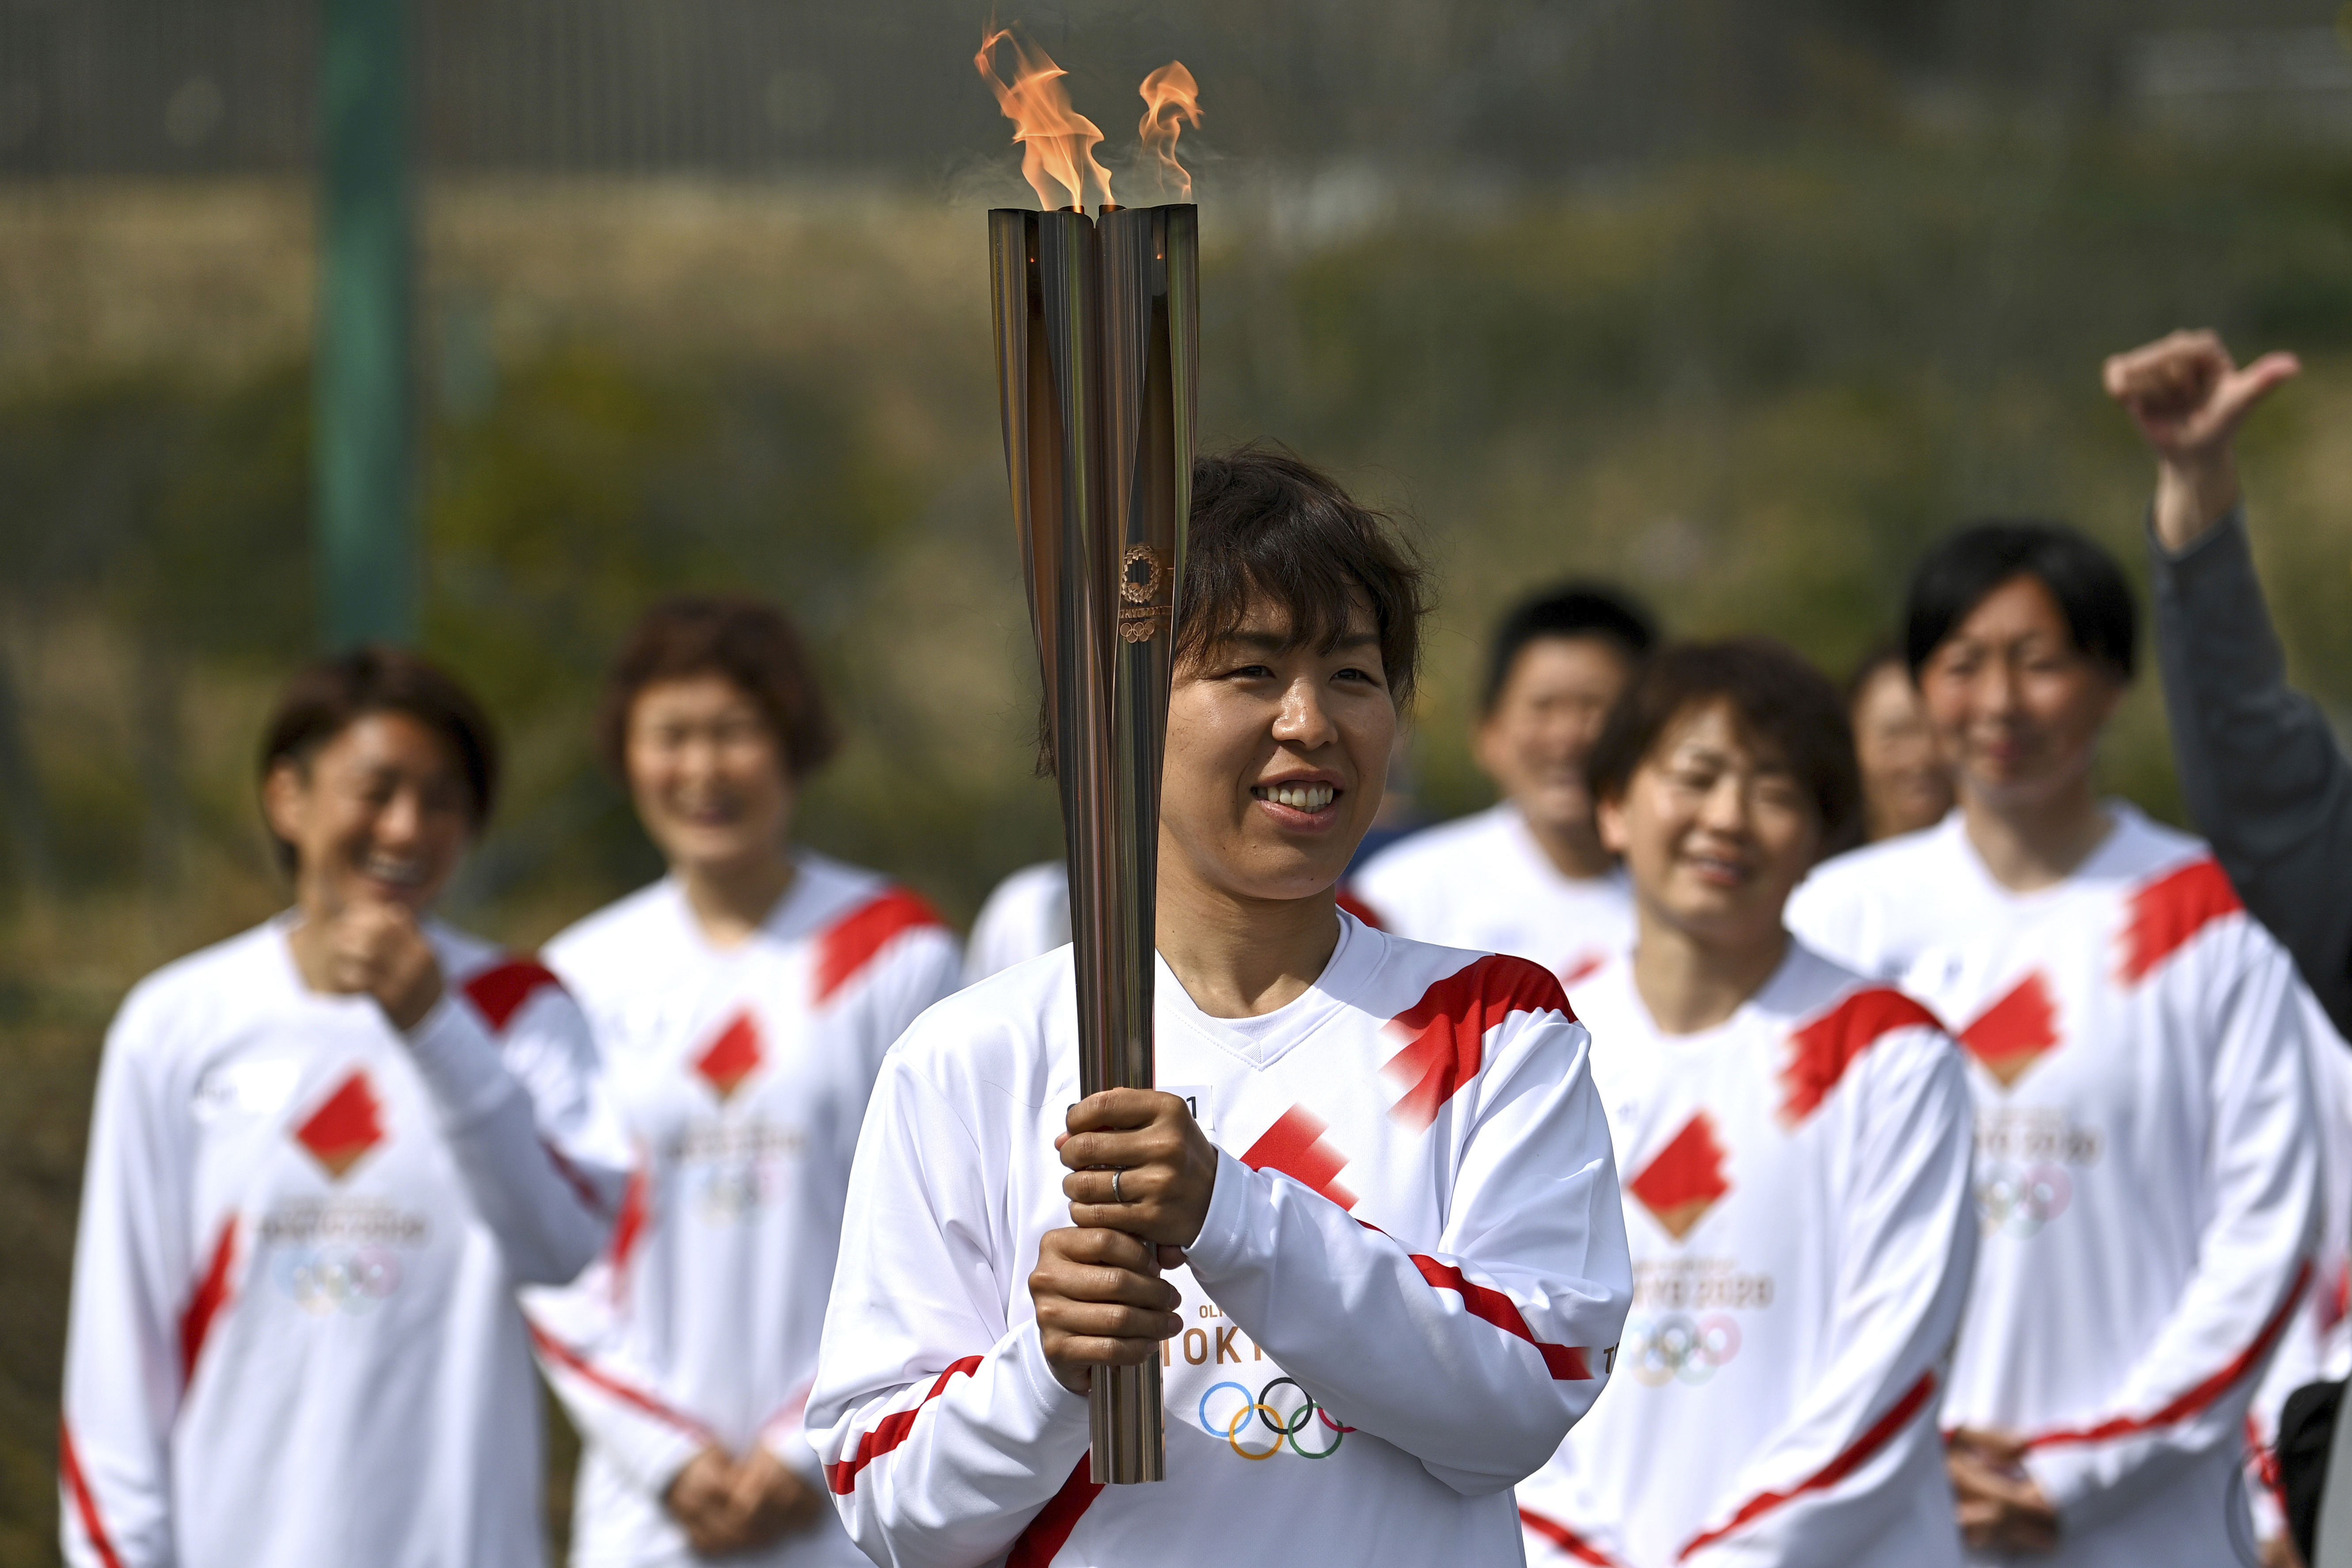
<point x="1582" y="609"/>
<point x="1964" y="568"/>
<point x="747" y="641"/>
<point x="324" y="699"/>
<point x="1264" y="522"/>
<point x="1884" y="654"/>
<point x="1778" y="701"/>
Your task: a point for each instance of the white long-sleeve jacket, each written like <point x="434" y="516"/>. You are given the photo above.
<point x="1797" y="1198"/>
<point x="1409" y="1285"/>
<point x="1482" y="882"/>
<point x="294" y="1336"/>
<point x="743" y="1076"/>
<point x="2148" y="1164"/>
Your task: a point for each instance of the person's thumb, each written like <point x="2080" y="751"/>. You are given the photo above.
<point x="2238" y="395"/>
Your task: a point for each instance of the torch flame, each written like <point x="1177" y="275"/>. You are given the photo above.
<point x="1057" y="143"/>
<point x="1170" y="98"/>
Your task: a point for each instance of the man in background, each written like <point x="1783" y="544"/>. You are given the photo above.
<point x="1530" y="875"/>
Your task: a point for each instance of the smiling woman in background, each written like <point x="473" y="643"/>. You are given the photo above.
<point x="1904" y="784"/>
<point x="745" y="1002"/>
<point x="324" y="1154"/>
<point x="2146" y="1163"/>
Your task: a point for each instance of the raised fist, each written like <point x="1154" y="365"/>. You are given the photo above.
<point x="2187" y="396"/>
<point x="377" y="949"/>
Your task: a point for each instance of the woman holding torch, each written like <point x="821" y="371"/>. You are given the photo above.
<point x="1368" y="1223"/>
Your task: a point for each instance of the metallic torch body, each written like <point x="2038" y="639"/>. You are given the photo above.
<point x="1097" y="348"/>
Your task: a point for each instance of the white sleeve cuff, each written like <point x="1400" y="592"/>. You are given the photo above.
<point x="2064" y="1476"/>
<point x="1223" y="1241"/>
<point x="458" y="1062"/>
<point x="790" y="1447"/>
<point x="1024" y="1347"/>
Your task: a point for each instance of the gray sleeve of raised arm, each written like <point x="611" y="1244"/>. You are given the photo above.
<point x="2263" y="775"/>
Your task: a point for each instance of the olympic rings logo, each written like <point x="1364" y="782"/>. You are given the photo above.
<point x="331" y="1280"/>
<point x="729" y="1193"/>
<point x="1267" y="1412"/>
<point x="2021" y="1205"/>
<point x="1677" y="1349"/>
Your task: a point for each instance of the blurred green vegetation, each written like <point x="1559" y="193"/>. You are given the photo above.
<point x="1750" y="387"/>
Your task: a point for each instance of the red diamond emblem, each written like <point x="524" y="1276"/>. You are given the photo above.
<point x="733" y="1057"/>
<point x="1685" y="1180"/>
<point x="345" y="1127"/>
<point x="2013" y="1034"/>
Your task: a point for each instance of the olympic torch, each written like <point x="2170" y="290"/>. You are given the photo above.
<point x="1097" y="348"/>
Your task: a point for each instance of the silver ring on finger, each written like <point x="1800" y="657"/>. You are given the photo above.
<point x="1116" y="1196"/>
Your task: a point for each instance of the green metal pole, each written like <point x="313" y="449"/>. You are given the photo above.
<point x="364" y="479"/>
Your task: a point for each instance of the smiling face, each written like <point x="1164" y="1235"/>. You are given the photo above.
<point x="2015" y="706"/>
<point x="1903" y="780"/>
<point x="1716" y="832"/>
<point x="381" y="812"/>
<point x="1545" y="720"/>
<point x="1276" y="756"/>
<point x="707" y="774"/>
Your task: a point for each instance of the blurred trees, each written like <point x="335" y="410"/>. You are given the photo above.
<point x="1749" y="378"/>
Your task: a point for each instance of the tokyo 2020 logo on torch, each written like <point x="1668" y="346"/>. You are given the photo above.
<point x="1281" y="1414"/>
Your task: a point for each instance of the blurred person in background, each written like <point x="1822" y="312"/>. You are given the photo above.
<point x="745" y="1003"/>
<point x="2261" y="772"/>
<point x="2264" y="776"/>
<point x="1370" y="1229"/>
<point x="1530" y="875"/>
<point x="323" y="1156"/>
<point x="1025" y="916"/>
<point x="1795" y="1140"/>
<point x="2147" y="1158"/>
<point x="1905" y="785"/>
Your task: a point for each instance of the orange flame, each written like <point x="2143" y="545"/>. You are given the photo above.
<point x="1170" y="98"/>
<point x="1057" y="143"/>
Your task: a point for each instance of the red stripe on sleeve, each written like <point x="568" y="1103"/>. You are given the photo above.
<point x="1295" y="1145"/>
<point x="2195" y="1399"/>
<point x="1048" y="1532"/>
<point x="499" y="992"/>
<point x="1821" y="1052"/>
<point x="211" y="1295"/>
<point x="1567" y="1540"/>
<point x="629" y="1225"/>
<point x="581" y="1187"/>
<point x="1445" y="1031"/>
<point x="2167" y="913"/>
<point x="571" y="1361"/>
<point x="853" y="941"/>
<point x="85" y="1503"/>
<point x="1845" y="1463"/>
<point x="1566" y="1363"/>
<point x="890" y="1431"/>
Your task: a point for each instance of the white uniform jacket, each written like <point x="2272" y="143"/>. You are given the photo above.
<point x="294" y="1336"/>
<point x="1483" y="883"/>
<point x="1799" y="1207"/>
<point x="1408" y="1286"/>
<point x="2148" y="1164"/>
<point x="1026" y="916"/>
<point x="742" y="1076"/>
